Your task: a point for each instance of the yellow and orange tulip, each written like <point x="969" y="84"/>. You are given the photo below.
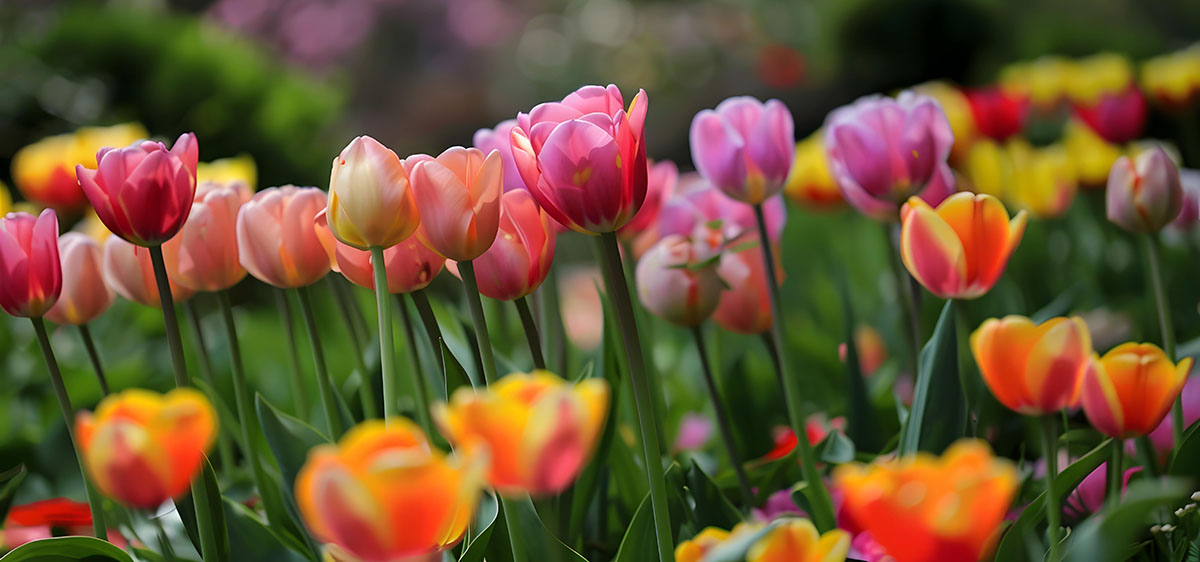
<point x="371" y="201"/>
<point x="797" y="540"/>
<point x="810" y="181"/>
<point x="695" y="548"/>
<point x="1173" y="79"/>
<point x="1033" y="369"/>
<point x="1129" y="391"/>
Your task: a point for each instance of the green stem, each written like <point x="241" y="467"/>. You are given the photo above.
<point x="348" y="312"/>
<point x="164" y="541"/>
<point x="425" y="311"/>
<point x="287" y="315"/>
<point x="618" y="290"/>
<point x="531" y="333"/>
<point x="94" y="357"/>
<point x="481" y="330"/>
<point x="912" y="324"/>
<point x="1165" y="327"/>
<point x="551" y="312"/>
<point x="1053" y="511"/>
<point x="1114" y="472"/>
<point x="241" y="393"/>
<point x="329" y="403"/>
<point x="387" y="346"/>
<point x="420" y="388"/>
<point x="356" y="325"/>
<point x="818" y="495"/>
<point x="515" y="537"/>
<point x="1145" y="448"/>
<point x="99" y="529"/>
<point x="224" y="445"/>
<point x="722" y="418"/>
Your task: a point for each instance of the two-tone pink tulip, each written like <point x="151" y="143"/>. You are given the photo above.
<point x="128" y="270"/>
<point x="32" y="278"/>
<point x="1144" y="194"/>
<point x="85" y="295"/>
<point x="458" y="198"/>
<point x="277" y="236"/>
<point x="675" y="284"/>
<point x="744" y="147"/>
<point x="520" y="258"/>
<point x="203" y="256"/>
<point x="371" y="200"/>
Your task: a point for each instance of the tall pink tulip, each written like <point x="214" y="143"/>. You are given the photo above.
<point x="277" y="237"/>
<point x="885" y="150"/>
<point x="673" y="284"/>
<point x="498" y="139"/>
<point x="584" y="158"/>
<point x="660" y="186"/>
<point x="85" y="295"/>
<point x="410" y="264"/>
<point x="128" y="271"/>
<point x="32" y="274"/>
<point x="204" y="255"/>
<point x="745" y="147"/>
<point x="143" y="192"/>
<point x="520" y="258"/>
<point x="458" y="198"/>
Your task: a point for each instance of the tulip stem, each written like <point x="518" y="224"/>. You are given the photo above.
<point x="722" y="418"/>
<point x="99" y="529"/>
<point x="531" y="333"/>
<point x="905" y="294"/>
<point x="94" y="357"/>
<point x="425" y="311"/>
<point x="349" y="310"/>
<point x="333" y="419"/>
<point x="387" y="345"/>
<point x="818" y="495"/>
<point x="287" y="315"/>
<point x="488" y="359"/>
<point x="1145" y="448"/>
<point x="618" y="293"/>
<point x="1165" y="326"/>
<point x="1053" y="511"/>
<point x="420" y="388"/>
<point x="1114" y="471"/>
<point x="519" y="551"/>
<point x="224" y="446"/>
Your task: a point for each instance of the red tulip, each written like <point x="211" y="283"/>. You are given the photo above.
<point x="1116" y="116"/>
<point x="32" y="275"/>
<point x="998" y="113"/>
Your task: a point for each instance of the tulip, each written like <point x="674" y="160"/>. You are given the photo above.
<point x="811" y="181"/>
<point x="520" y="258"/>
<point x="1145" y="194"/>
<point x="458" y="197"/>
<point x="85" y="295"/>
<point x="1189" y="211"/>
<point x="1091" y="78"/>
<point x="29" y="257"/>
<point x="383" y="493"/>
<point x="1091" y="155"/>
<point x="498" y="139"/>
<point x="277" y="236"/>
<point x="697" y="547"/>
<point x="958" y="112"/>
<point x="744" y="147"/>
<point x="744" y="307"/>
<point x="44" y="171"/>
<point x="127" y="269"/>
<point x="885" y="150"/>
<point x="797" y="540"/>
<point x="694" y="432"/>
<point x="204" y="255"/>
<point x="239" y="168"/>
<point x="6" y="202"/>
<point x="1043" y="81"/>
<point x="1189" y="397"/>
<point x="581" y="306"/>
<point x="998" y="114"/>
<point x="584" y="158"/>
<point x="872" y="351"/>
<point x="143" y="193"/>
<point x="959" y="250"/>
<point x="410" y="264"/>
<point x="1033" y="369"/>
<point x="1118" y="117"/>
<point x="816" y="428"/>
<point x="675" y="284"/>
<point x="142" y="448"/>
<point x="660" y="186"/>
<point x="371" y="202"/>
<point x="698" y="204"/>
<point x="1088" y="497"/>
<point x="538" y="429"/>
<point x="922" y="507"/>
<point x="1128" y="391"/>
<point x="46" y="518"/>
<point x="1173" y="80"/>
<point x="778" y="504"/>
<point x="1038" y="180"/>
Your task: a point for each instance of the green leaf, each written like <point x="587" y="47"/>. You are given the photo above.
<point x="1059" y="306"/>
<point x="187" y="512"/>
<point x="938" y="412"/>
<point x="485" y="522"/>
<point x="540" y="543"/>
<point x="712" y="508"/>
<point x="1108" y="535"/>
<point x="456" y="375"/>
<point x="251" y="541"/>
<point x="12" y="479"/>
<point x="1186" y="461"/>
<point x="225" y="415"/>
<point x="67" y="549"/>
<point x="290" y="439"/>
<point x="860" y="414"/>
<point x="640" y="537"/>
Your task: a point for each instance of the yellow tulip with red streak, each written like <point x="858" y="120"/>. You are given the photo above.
<point x="1033" y="369"/>
<point x="1128" y="391"/>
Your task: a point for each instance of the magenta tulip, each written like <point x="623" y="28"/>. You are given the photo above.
<point x="1119" y="116"/>
<point x="32" y="274"/>
<point x="744" y="147"/>
<point x="697" y="203"/>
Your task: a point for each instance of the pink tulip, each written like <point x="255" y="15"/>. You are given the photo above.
<point x="579" y="288"/>
<point x="1089" y="496"/>
<point x="410" y="264"/>
<point x="694" y="431"/>
<point x="370" y="199"/>
<point x="32" y="274"/>
<point x="698" y="203"/>
<point x="885" y="150"/>
<point x="673" y="284"/>
<point x="277" y="237"/>
<point x="660" y="186"/>
<point x="204" y="255"/>
<point x="745" y="147"/>
<point x="143" y="192"/>
<point x="1189" y="213"/>
<point x="584" y="158"/>
<point x="521" y="256"/>
<point x="1145" y="194"/>
<point x="1117" y="116"/>
<point x="127" y="269"/>
<point x="458" y="198"/>
<point x="85" y="295"/>
<point x="498" y="139"/>
<point x="744" y="307"/>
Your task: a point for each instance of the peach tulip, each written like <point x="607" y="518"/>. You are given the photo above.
<point x="127" y="269"/>
<point x="277" y="236"/>
<point x="371" y="201"/>
<point x="1129" y="391"/>
<point x="458" y="198"/>
<point x="1033" y="369"/>
<point x="675" y="285"/>
<point x="744" y="147"/>
<point x="520" y="258"/>
<point x="85" y="295"/>
<point x="44" y="171"/>
<point x="1144" y="194"/>
<point x="32" y="278"/>
<point x="204" y="255"/>
<point x="410" y="264"/>
<point x="744" y="307"/>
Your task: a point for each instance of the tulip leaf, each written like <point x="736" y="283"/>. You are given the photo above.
<point x="456" y="375"/>
<point x="938" y="412"/>
<point x="1108" y="535"/>
<point x="485" y="524"/>
<point x="251" y="540"/>
<point x="860" y="413"/>
<point x="836" y="448"/>
<point x="1186" y="461"/>
<point x="640" y="535"/>
<point x="540" y="543"/>
<point x="712" y="508"/>
<point x="12" y="479"/>
<point x="290" y="440"/>
<point x="187" y="512"/>
<point x="67" y="549"/>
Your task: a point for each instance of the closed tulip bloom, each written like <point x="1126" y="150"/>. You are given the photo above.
<point x="520" y="258"/>
<point x="458" y="197"/>
<point x="383" y="493"/>
<point x="143" y="192"/>
<point x="744" y="147"/>
<point x="958" y="250"/>
<point x="410" y="264"/>
<point x="744" y="307"/>
<point x="277" y="236"/>
<point x="44" y="171"/>
<point x="498" y="139"/>
<point x="127" y="269"/>
<point x="1033" y="369"/>
<point x="584" y="158"/>
<point x="538" y="429"/>
<point x="85" y="295"/>
<point x="675" y="284"/>
<point x="32" y="277"/>
<point x="921" y="507"/>
<point x="885" y="150"/>
<point x="204" y="255"/>
<point x="1144" y="194"/>
<point x="998" y="113"/>
<point x="1128" y="391"/>
<point x="811" y="181"/>
<point x="797" y="540"/>
<point x="371" y="201"/>
<point x="142" y="448"/>
<point x="1118" y="116"/>
<point x="660" y="186"/>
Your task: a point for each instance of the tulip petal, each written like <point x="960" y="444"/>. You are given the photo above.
<point x="717" y="151"/>
<point x="1056" y="364"/>
<point x="932" y="251"/>
<point x="1001" y="349"/>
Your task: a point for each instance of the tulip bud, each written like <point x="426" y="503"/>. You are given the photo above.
<point x="85" y="295"/>
<point x="204" y="255"/>
<point x="128" y="270"/>
<point x="29" y="257"/>
<point x="370" y="199"/>
<point x="458" y="197"/>
<point x="744" y="147"/>
<point x="277" y="236"/>
<point x="1033" y="369"/>
<point x="1145" y="194"/>
<point x="674" y="285"/>
<point x="1129" y="391"/>
<point x="520" y="257"/>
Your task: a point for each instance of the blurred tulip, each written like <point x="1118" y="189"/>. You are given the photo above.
<point x="240" y="189"/>
<point x="6" y="202"/>
<point x="277" y="236"/>
<point x="959" y="250"/>
<point x="1088" y="497"/>
<point x="1043" y="81"/>
<point x="744" y="147"/>
<point x="660" y="186"/>
<point x="1033" y="369"/>
<point x="584" y="158"/>
<point x="371" y="201"/>
<point x="697" y="547"/>
<point x="410" y="264"/>
<point x="1091" y="78"/>
<point x="998" y="113"/>
<point x="143" y="192"/>
<point x="240" y="168"/>
<point x="744" y="307"/>
<point x="922" y="508"/>
<point x="47" y="518"/>
<point x="885" y="150"/>
<point x="32" y="279"/>
<point x="142" y="448"/>
<point x="778" y="504"/>
<point x="695" y="429"/>
<point x="520" y="258"/>
<point x="958" y="113"/>
<point x="204" y="255"/>
<point x="127" y="269"/>
<point x="811" y="181"/>
<point x="1040" y="181"/>
<point x="1189" y="210"/>
<point x="797" y="540"/>
<point x="1173" y="79"/>
<point x="1162" y="436"/>
<point x="538" y="429"/>
<point x="1129" y="391"/>
<point x="698" y="203"/>
<point x="1118" y="117"/>
<point x="498" y="139"/>
<point x="44" y="171"/>
<point x="990" y="169"/>
<point x="581" y="306"/>
<point x="93" y="228"/>
<point x="383" y="493"/>
<point x="872" y="351"/>
<point x="1145" y="194"/>
<point x="676" y="284"/>
<point x="816" y="428"/>
<point x="1091" y="155"/>
<point x="458" y="198"/>
<point x="85" y="295"/>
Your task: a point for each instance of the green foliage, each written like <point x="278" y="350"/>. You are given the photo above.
<point x="938" y="413"/>
<point x="67" y="549"/>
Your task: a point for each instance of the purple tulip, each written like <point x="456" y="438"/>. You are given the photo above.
<point x="488" y="140"/>
<point x="744" y="147"/>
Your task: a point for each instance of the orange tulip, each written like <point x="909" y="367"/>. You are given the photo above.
<point x="1032" y="368"/>
<point x="203" y="256"/>
<point x="922" y="508"/>
<point x="383" y="493"/>
<point x="85" y="295"/>
<point x="458" y="197"/>
<point x="538" y="429"/>
<point x="959" y="250"/>
<point x="797" y="540"/>
<point x="1129" y="391"/>
<point x="142" y="448"/>
<point x="695" y="548"/>
<point x="128" y="270"/>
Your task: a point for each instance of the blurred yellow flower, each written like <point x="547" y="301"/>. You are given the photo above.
<point x="1098" y="74"/>
<point x="1173" y="79"/>
<point x="1043" y="80"/>
<point x="1038" y="180"/>
<point x="810" y="182"/>
<point x="44" y="172"/>
<point x="225" y="170"/>
<point x="1091" y="155"/>
<point x="6" y="202"/>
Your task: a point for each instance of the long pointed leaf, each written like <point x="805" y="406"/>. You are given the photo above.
<point x="938" y="413"/>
